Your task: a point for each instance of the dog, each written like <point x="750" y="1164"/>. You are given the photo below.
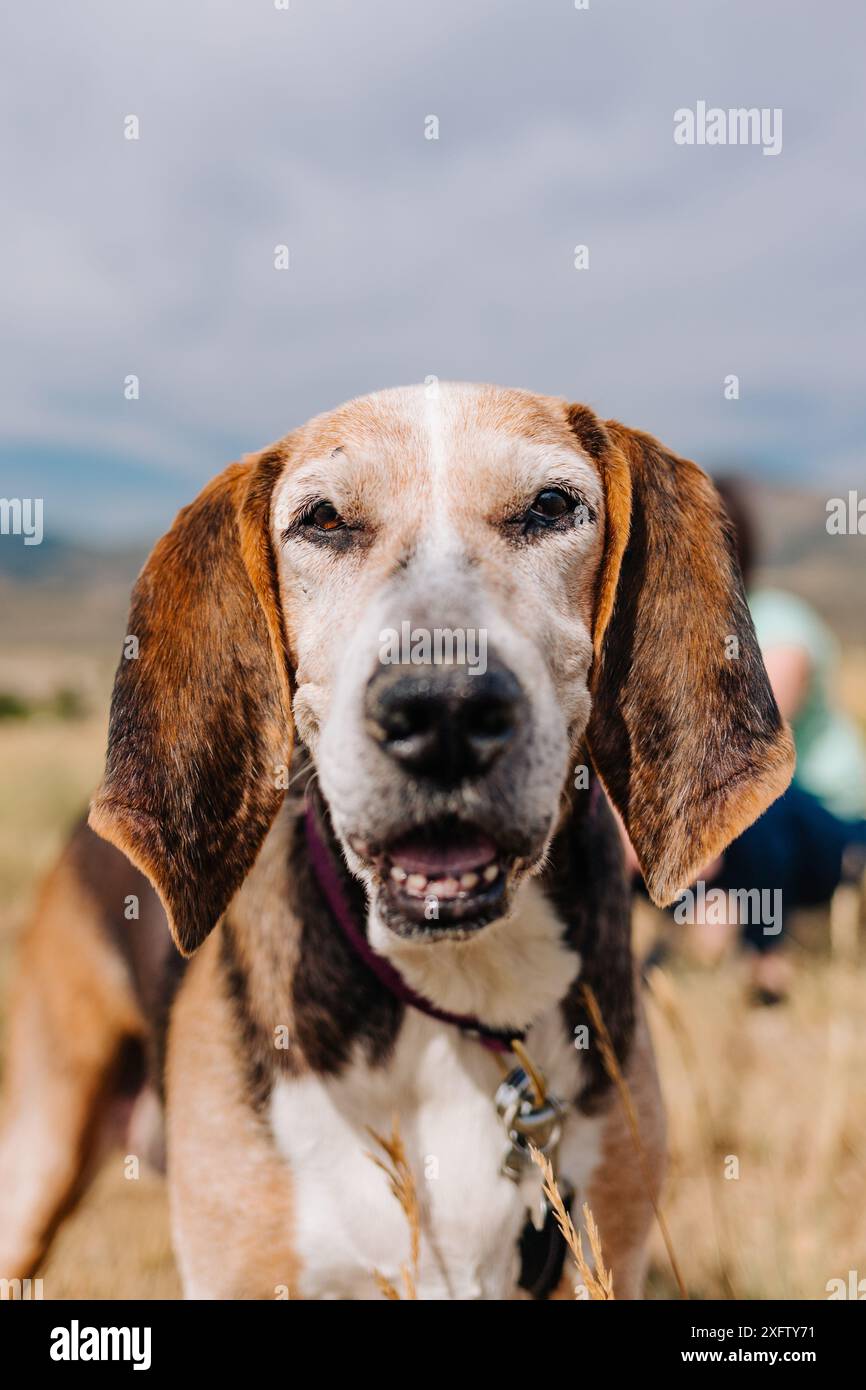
<point x="393" y="872"/>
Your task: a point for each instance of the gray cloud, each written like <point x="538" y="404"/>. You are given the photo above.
<point x="412" y="256"/>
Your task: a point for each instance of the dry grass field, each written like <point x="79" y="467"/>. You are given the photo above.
<point x="766" y="1195"/>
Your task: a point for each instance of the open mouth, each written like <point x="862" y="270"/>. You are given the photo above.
<point x="447" y="875"/>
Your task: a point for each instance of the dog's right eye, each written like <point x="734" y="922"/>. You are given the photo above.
<point x="551" y="504"/>
<point x="323" y="516"/>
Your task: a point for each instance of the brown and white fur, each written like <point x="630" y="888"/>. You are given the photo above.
<point x="261" y="612"/>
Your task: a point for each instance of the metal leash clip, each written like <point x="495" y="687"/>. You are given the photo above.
<point x="534" y="1117"/>
<point x="528" y="1119"/>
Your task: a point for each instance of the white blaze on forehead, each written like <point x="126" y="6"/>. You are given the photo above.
<point x="439" y="535"/>
<point x="435" y="442"/>
<point x="437" y="546"/>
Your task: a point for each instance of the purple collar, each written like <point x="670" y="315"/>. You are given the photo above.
<point x="328" y="878"/>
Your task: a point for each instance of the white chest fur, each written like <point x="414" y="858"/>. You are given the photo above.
<point x="440" y="1086"/>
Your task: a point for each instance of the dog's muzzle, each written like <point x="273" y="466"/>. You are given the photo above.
<point x="445" y="728"/>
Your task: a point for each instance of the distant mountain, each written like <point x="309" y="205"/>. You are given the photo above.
<point x="61" y="597"/>
<point x="797" y="552"/>
<point x="57" y="559"/>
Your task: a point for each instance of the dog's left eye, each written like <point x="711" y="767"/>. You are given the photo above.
<point x="553" y="509"/>
<point x="323" y="517"/>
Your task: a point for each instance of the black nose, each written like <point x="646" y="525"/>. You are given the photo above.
<point x="443" y="722"/>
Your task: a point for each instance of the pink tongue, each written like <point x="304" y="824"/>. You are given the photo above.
<point x="417" y="855"/>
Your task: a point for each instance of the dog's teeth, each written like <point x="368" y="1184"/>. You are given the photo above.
<point x="444" y="888"/>
<point x="420" y="886"/>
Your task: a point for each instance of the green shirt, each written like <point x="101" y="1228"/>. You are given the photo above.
<point x="831" y="752"/>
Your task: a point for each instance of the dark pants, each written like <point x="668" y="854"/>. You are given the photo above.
<point x="796" y="846"/>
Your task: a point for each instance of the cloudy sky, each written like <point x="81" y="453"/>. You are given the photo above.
<point x="410" y="256"/>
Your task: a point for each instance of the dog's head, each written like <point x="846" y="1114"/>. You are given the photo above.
<point x="450" y="592"/>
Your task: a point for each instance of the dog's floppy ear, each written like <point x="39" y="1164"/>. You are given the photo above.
<point x="684" y="730"/>
<point x="200" y="716"/>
